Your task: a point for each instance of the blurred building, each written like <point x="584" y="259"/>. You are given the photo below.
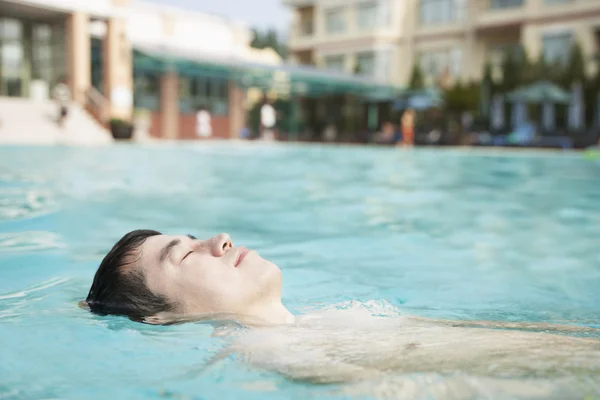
<point x="449" y="38"/>
<point x="157" y="64"/>
<point x="118" y="55"/>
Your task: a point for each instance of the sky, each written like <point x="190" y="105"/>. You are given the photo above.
<point x="255" y="13"/>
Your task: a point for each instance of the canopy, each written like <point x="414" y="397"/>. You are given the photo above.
<point x="287" y="78"/>
<point x="420" y="99"/>
<point x="539" y="93"/>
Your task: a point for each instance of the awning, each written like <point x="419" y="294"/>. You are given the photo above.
<point x="540" y="92"/>
<point x="285" y="78"/>
<point x="421" y="99"/>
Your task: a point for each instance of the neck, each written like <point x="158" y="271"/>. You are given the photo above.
<point x="273" y="313"/>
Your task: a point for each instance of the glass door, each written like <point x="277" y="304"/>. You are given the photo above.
<point x="11" y="57"/>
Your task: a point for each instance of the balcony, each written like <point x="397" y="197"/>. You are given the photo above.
<point x="500" y="14"/>
<point x="302" y="35"/>
<point x="298" y="3"/>
<point x="505" y="4"/>
<point x="305" y="28"/>
<point x="439" y="18"/>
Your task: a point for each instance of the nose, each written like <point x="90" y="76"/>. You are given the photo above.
<point x="220" y="244"/>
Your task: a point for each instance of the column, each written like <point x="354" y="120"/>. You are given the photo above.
<point x="169" y="105"/>
<point x="118" y="70"/>
<point x="237" y="110"/>
<point x="78" y="55"/>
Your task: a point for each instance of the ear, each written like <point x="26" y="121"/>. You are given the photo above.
<point x="154" y="320"/>
<point x="84" y="305"/>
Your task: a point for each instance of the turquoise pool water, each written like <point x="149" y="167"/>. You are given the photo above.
<point x="447" y="234"/>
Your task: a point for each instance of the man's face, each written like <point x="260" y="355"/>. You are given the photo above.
<point x="208" y="276"/>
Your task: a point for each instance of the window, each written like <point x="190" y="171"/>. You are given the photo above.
<point x="335" y="20"/>
<point x="442" y="11"/>
<point x="97" y="64"/>
<point x="366" y="15"/>
<point x="382" y="65"/>
<point x="437" y="63"/>
<point x="42" y="53"/>
<point x="373" y="14"/>
<point x="365" y="63"/>
<point x="11" y="29"/>
<point x="495" y="4"/>
<point x="146" y="92"/>
<point x="497" y="54"/>
<point x="200" y="91"/>
<point x="306" y="27"/>
<point x="374" y="64"/>
<point x="335" y="62"/>
<point x="557" y="48"/>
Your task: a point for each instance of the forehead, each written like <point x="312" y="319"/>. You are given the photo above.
<point x="153" y="246"/>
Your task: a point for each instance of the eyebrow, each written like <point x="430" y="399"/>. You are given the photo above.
<point x="191" y="236"/>
<point x="166" y="251"/>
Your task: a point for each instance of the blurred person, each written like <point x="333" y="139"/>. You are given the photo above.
<point x="407" y="123"/>
<point x="203" y="122"/>
<point x="62" y="96"/>
<point x="268" y="120"/>
<point x="245" y="133"/>
<point x="330" y="132"/>
<point x="388" y="134"/>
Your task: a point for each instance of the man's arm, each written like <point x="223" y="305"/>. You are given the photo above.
<point x="530" y="326"/>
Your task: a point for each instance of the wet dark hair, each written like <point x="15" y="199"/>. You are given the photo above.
<point x="118" y="290"/>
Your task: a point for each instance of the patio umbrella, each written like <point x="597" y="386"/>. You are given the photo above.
<point x="576" y="108"/>
<point x="548" y="116"/>
<point x="540" y="92"/>
<point x="519" y="113"/>
<point x="497" y="112"/>
<point x="419" y="99"/>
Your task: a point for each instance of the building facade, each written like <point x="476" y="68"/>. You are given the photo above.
<point x="450" y="39"/>
<point x="100" y="47"/>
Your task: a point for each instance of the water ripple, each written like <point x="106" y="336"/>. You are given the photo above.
<point x="22" y="204"/>
<point x="29" y="241"/>
<point x="16" y="303"/>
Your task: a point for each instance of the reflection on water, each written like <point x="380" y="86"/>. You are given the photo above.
<point x="364" y="238"/>
<point x="29" y="241"/>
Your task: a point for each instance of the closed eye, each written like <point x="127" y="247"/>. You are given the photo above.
<point x="186" y="255"/>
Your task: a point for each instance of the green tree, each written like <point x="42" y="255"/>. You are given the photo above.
<point x="511" y="70"/>
<point x="486" y="91"/>
<point x="269" y="38"/>
<point x="574" y="71"/>
<point x="462" y="97"/>
<point x="357" y="68"/>
<point x="416" y="77"/>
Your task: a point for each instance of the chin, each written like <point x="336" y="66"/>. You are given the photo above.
<point x="268" y="273"/>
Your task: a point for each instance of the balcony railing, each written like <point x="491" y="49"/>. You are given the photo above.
<point x="503" y="4"/>
<point x="305" y="28"/>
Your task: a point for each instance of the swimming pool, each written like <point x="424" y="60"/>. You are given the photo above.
<point x="453" y="234"/>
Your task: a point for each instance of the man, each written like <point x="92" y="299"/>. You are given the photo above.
<point x="62" y="97"/>
<point x="162" y="279"/>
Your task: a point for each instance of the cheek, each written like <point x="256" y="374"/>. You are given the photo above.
<point x="210" y="289"/>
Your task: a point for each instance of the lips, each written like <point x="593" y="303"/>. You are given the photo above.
<point x="241" y="254"/>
